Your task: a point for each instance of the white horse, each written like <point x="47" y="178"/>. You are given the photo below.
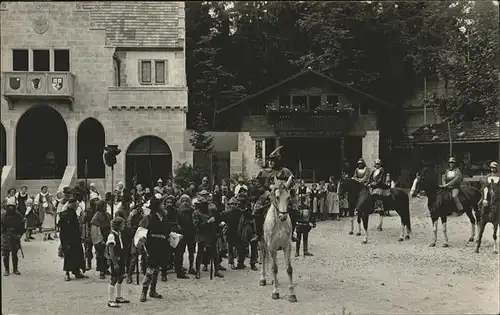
<point x="278" y="235"/>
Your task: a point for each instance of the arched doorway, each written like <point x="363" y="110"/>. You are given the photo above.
<point x="3" y="146"/>
<point x="41" y="144"/>
<point x="90" y="147"/>
<point x="147" y="159"/>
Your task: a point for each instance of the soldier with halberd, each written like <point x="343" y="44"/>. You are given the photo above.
<point x="265" y="179"/>
<point x="377" y="185"/>
<point x="362" y="172"/>
<point x="492" y="176"/>
<point x="153" y="235"/>
<point x="452" y="178"/>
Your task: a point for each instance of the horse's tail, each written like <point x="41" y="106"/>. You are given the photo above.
<point x="405" y="211"/>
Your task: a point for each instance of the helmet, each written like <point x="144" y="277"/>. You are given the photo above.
<point x="452" y="160"/>
<point x="275" y="155"/>
<point x="493" y="165"/>
<point x="361" y="161"/>
<point x="159" y="180"/>
<point x="377" y="161"/>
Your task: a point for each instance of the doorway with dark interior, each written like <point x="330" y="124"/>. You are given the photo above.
<point x="148" y="158"/>
<point x="3" y="146"/>
<point x="312" y="158"/>
<point x="41" y="144"/>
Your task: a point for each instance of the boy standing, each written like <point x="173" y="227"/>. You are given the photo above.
<point x="116" y="257"/>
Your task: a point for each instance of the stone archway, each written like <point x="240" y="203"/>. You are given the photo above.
<point x="90" y="147"/>
<point x="147" y="159"/>
<point x="3" y="146"/>
<point x="41" y="144"/>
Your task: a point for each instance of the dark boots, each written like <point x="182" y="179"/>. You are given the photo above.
<point x="15" y="264"/>
<point x="144" y="294"/>
<point x="306" y="249"/>
<point x="191" y="270"/>
<point x="6" y="265"/>
<point x="150" y="282"/>
<point x="89" y="264"/>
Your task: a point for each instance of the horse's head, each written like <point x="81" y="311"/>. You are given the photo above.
<point x="281" y="191"/>
<point x="424" y="180"/>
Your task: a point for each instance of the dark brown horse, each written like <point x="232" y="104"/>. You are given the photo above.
<point x="490" y="212"/>
<point x="440" y="202"/>
<point x="359" y="197"/>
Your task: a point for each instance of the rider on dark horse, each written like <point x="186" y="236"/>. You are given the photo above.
<point x="379" y="190"/>
<point x="265" y="179"/>
<point x="493" y="175"/>
<point x="452" y="179"/>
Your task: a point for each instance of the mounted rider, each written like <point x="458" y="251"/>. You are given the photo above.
<point x="492" y="176"/>
<point x="452" y="178"/>
<point x="265" y="179"/>
<point x="379" y="189"/>
<point x="362" y="172"/>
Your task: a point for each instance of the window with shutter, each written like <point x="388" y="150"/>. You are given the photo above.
<point x="145" y="71"/>
<point x="160" y="74"/>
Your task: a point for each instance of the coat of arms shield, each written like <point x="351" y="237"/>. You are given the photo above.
<point x="57" y="83"/>
<point x="36" y="83"/>
<point x="15" y="83"/>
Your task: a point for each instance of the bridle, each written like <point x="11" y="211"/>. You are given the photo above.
<point x="274" y="200"/>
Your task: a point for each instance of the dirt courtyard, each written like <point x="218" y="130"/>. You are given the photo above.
<point x="381" y="277"/>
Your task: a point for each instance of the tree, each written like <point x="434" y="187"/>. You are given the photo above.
<point x="200" y="140"/>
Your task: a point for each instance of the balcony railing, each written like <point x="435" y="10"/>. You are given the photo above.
<point x="21" y="85"/>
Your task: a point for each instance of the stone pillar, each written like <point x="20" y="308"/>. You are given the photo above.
<point x="10" y="139"/>
<point x="370" y="147"/>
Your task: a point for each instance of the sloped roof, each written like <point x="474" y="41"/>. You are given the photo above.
<point x="138" y="24"/>
<point x="466" y="132"/>
<point x="296" y="76"/>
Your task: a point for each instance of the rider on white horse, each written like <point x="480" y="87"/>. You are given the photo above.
<point x="265" y="179"/>
<point x="493" y="175"/>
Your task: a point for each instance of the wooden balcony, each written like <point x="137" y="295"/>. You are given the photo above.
<point x="48" y="86"/>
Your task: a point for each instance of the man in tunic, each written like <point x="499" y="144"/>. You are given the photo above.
<point x="100" y="227"/>
<point x="492" y="176"/>
<point x="362" y="173"/>
<point x="159" y="188"/>
<point x="172" y="218"/>
<point x="116" y="259"/>
<point x="152" y="235"/>
<point x="378" y="187"/>
<point x="134" y="219"/>
<point x="86" y="218"/>
<point x="245" y="231"/>
<point x="188" y="233"/>
<point x="305" y="222"/>
<point x="12" y="228"/>
<point x="265" y="179"/>
<point x="452" y="178"/>
<point x="204" y="184"/>
<point x="94" y="193"/>
<point x="206" y="224"/>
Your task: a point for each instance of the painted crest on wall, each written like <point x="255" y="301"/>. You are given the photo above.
<point x="36" y="83"/>
<point x="40" y="24"/>
<point x="15" y="83"/>
<point x="57" y="83"/>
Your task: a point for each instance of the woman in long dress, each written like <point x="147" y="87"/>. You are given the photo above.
<point x="21" y="197"/>
<point x="49" y="219"/>
<point x="332" y="199"/>
<point x="313" y="198"/>
<point x="30" y="218"/>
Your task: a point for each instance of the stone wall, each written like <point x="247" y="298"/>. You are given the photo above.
<point x="91" y="61"/>
<point x="370" y="145"/>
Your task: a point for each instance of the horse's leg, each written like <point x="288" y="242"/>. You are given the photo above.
<point x="264" y="256"/>
<point x="365" y="225"/>
<point x="359" y="224"/>
<point x="495" y="243"/>
<point x="480" y="236"/>
<point x="435" y="222"/>
<point x="275" y="295"/>
<point x="351" y="232"/>
<point x="472" y="224"/>
<point x="444" y="219"/>
<point x="380" y="220"/>
<point x="289" y="271"/>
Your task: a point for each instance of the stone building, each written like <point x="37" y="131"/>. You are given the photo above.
<point x="320" y="122"/>
<point x="77" y="76"/>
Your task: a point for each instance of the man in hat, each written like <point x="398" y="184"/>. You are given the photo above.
<point x="188" y="233"/>
<point x="12" y="229"/>
<point x="265" y="179"/>
<point x="452" y="179"/>
<point x="191" y="190"/>
<point x="492" y="176"/>
<point x="115" y="253"/>
<point x="378" y="187"/>
<point x="245" y="231"/>
<point x="159" y="188"/>
<point x="362" y="172"/>
<point x="232" y="216"/>
<point x="204" y="184"/>
<point x="241" y="184"/>
<point x="206" y="224"/>
<point x="152" y="235"/>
